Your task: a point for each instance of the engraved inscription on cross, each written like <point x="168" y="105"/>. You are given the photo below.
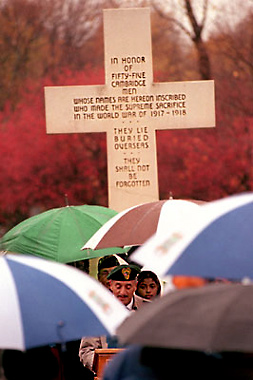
<point x="129" y="108"/>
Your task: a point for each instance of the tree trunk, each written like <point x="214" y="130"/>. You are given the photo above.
<point x="203" y="57"/>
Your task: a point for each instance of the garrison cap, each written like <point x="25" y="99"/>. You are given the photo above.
<point x="124" y="273"/>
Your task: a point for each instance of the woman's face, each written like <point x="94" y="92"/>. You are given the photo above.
<point x="147" y="288"/>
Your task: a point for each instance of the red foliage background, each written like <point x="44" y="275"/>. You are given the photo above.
<point x="39" y="169"/>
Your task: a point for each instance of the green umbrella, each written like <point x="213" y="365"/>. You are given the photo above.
<point x="59" y="234"/>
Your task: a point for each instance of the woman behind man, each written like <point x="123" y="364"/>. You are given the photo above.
<point x="148" y="285"/>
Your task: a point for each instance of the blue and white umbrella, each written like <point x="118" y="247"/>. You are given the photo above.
<point x="44" y="302"/>
<point x="217" y="241"/>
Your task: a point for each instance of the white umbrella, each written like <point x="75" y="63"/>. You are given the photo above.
<point x="135" y="225"/>
<point x="216" y="242"/>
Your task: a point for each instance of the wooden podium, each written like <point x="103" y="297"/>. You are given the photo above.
<point x="101" y="358"/>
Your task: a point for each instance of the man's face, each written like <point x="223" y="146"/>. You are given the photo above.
<point x="123" y="290"/>
<point x="102" y="276"/>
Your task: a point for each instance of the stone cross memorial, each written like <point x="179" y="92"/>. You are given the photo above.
<point x="130" y="107"/>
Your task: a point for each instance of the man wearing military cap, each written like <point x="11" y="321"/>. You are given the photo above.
<point x="123" y="284"/>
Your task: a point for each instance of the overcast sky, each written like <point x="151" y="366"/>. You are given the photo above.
<point x="219" y="11"/>
<point x="230" y="11"/>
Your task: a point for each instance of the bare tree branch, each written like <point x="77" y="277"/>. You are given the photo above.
<point x="195" y="35"/>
